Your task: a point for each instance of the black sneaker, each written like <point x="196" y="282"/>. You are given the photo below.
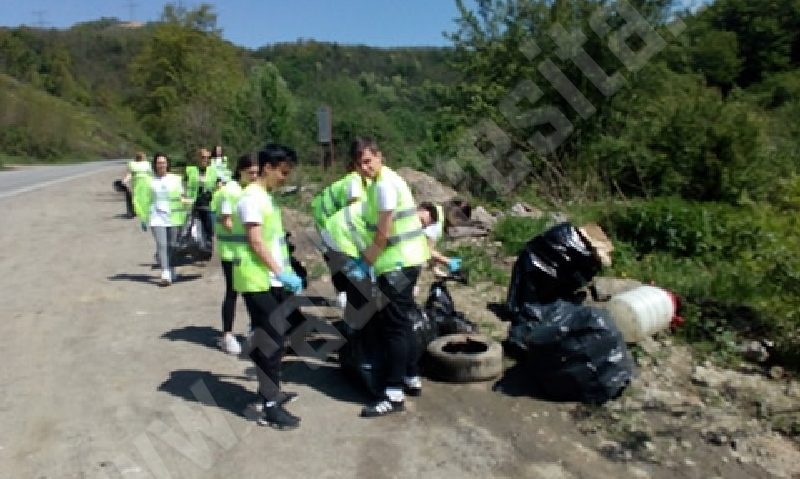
<point x="278" y="418"/>
<point x="412" y="386"/>
<point x="382" y="408"/>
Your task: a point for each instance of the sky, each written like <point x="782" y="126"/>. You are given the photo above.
<point x="255" y="23"/>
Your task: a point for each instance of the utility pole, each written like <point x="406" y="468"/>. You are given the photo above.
<point x="131" y="10"/>
<point x="39" y="14"/>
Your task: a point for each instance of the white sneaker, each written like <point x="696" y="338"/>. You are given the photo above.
<point x="166" y="278"/>
<point x="341" y="300"/>
<point x="230" y="345"/>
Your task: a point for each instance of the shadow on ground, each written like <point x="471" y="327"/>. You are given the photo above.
<point x="327" y="378"/>
<point x="210" y="389"/>
<point x="202" y="335"/>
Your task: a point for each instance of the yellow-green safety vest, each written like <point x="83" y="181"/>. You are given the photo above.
<point x="250" y="274"/>
<point x="227" y="241"/>
<point x="193" y="180"/>
<point x="407" y="245"/>
<point x="144" y="197"/>
<point x="335" y="197"/>
<point x="348" y="229"/>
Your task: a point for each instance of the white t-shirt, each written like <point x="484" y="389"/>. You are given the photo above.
<point x="433" y="231"/>
<point x="387" y="193"/>
<point x="355" y="189"/>
<point x="160" y="210"/>
<point x="252" y="210"/>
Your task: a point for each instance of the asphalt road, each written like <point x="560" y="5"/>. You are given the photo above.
<point x="30" y="178"/>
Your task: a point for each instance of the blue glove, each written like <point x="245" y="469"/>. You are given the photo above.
<point x="144" y="226"/>
<point x="356" y="269"/>
<point x="291" y="281"/>
<point x="454" y="265"/>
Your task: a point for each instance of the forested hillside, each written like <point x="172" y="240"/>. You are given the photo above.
<point x="678" y="131"/>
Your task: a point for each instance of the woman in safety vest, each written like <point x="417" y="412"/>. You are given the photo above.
<point x="220" y="164"/>
<point x="262" y="274"/>
<point x="161" y="201"/>
<point x="324" y="205"/>
<point x="229" y="241"/>
<point x="397" y="253"/>
<point x="138" y="168"/>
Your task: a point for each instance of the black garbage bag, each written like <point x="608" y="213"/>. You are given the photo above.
<point x="191" y="241"/>
<point x="552" y="266"/>
<point x="573" y="352"/>
<point x="442" y="311"/>
<point x="362" y="358"/>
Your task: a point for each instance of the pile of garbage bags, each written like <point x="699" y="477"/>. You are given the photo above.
<point x="571" y="351"/>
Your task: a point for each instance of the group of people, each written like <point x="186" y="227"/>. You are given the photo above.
<point x="372" y="233"/>
<point x="162" y="200"/>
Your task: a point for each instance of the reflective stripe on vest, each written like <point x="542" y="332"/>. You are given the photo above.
<point x="406" y="243"/>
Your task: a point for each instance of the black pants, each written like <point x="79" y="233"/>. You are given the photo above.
<point x="207" y="222"/>
<point x="268" y="314"/>
<point x="396" y="323"/>
<point x="336" y="261"/>
<point x="229" y="302"/>
<point x="128" y="202"/>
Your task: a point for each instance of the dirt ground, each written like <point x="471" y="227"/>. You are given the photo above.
<point x="107" y="375"/>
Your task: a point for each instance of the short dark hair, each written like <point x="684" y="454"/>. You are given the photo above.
<point x="274" y="154"/>
<point x="360" y="144"/>
<point x="156" y="155"/>
<point x="430" y="208"/>
<point x="245" y="161"/>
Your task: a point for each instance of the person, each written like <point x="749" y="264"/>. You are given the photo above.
<point x="220" y="163"/>
<point x="263" y="276"/>
<point x="345" y="238"/>
<point x="222" y="203"/>
<point x="324" y="205"/>
<point x="138" y="168"/>
<point x="201" y="182"/>
<point x="337" y="195"/>
<point x="396" y="254"/>
<point x="161" y="201"/>
<point x="433" y="222"/>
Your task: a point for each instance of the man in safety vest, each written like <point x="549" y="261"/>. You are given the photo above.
<point x="433" y="221"/>
<point x="229" y="241"/>
<point x="220" y="163"/>
<point x="201" y="182"/>
<point x="397" y="253"/>
<point x="263" y="276"/>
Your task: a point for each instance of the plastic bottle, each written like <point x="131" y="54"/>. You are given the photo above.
<point x="643" y="311"/>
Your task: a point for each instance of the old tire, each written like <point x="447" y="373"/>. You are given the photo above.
<point x="464" y="358"/>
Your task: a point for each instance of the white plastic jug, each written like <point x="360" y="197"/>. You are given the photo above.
<point x="642" y="312"/>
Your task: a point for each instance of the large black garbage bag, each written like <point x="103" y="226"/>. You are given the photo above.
<point x="573" y="352"/>
<point x="552" y="266"/>
<point x="190" y="240"/>
<point x="442" y="312"/>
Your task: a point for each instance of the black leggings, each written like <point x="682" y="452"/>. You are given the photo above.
<point x="396" y="324"/>
<point x="267" y="342"/>
<point x="229" y="302"/>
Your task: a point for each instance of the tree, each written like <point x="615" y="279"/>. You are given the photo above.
<point x="187" y="75"/>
